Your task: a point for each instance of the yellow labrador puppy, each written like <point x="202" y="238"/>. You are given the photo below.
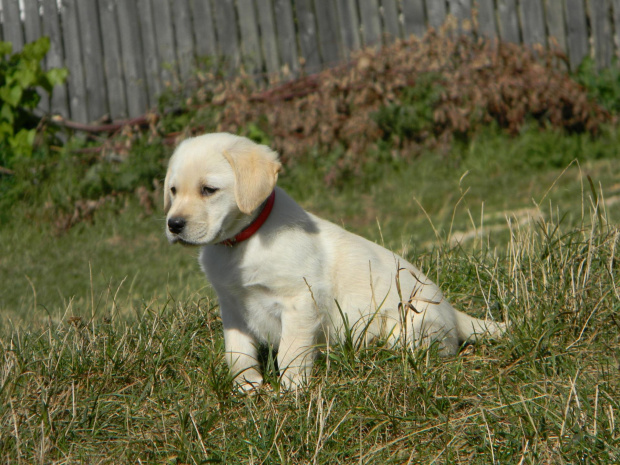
<point x="287" y="278"/>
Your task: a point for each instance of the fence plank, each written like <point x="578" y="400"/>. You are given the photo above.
<point x="268" y="37"/>
<point x="508" y="20"/>
<point x="164" y="38"/>
<point x="413" y="14"/>
<point x="601" y="31"/>
<point x="349" y="25"/>
<point x="308" y="43"/>
<point x="204" y="30"/>
<point x="485" y="19"/>
<point x="112" y="59"/>
<point x="532" y="22"/>
<point x="287" y="39"/>
<point x="133" y="58"/>
<point x="32" y="32"/>
<point x="92" y="56"/>
<point x="32" y="21"/>
<point x="576" y="31"/>
<point x="250" y="43"/>
<point x="13" y="31"/>
<point x="391" y="23"/>
<point x="461" y="10"/>
<point x="370" y="22"/>
<point x="436" y="11"/>
<point x="76" y="82"/>
<point x="330" y="42"/>
<point x="616" y="23"/>
<point x="227" y="33"/>
<point x="554" y="14"/>
<point x="55" y="57"/>
<point x="184" y="40"/>
<point x="149" y="50"/>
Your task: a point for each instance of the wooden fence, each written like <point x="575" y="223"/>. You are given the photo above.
<point x="121" y="54"/>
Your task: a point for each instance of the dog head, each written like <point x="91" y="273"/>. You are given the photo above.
<point x="214" y="184"/>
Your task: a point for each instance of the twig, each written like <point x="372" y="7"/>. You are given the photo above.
<point x="143" y="120"/>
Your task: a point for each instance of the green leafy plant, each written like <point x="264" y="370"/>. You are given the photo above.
<point x="602" y="84"/>
<point x="21" y="75"/>
<point x="411" y="118"/>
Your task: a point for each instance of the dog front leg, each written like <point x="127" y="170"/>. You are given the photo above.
<point x="296" y="350"/>
<point x="241" y="357"/>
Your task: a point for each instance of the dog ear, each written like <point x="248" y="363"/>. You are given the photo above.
<point x="256" y="170"/>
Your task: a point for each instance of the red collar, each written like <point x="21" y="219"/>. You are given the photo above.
<point x="256" y="224"/>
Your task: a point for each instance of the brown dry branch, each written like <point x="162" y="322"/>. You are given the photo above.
<point x="113" y="127"/>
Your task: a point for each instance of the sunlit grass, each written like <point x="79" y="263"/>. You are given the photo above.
<point x="156" y="388"/>
<point x="111" y="345"/>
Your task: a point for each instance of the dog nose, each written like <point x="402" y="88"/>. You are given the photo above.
<point x="176" y="224"/>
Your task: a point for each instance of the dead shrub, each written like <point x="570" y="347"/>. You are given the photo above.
<point x="463" y="83"/>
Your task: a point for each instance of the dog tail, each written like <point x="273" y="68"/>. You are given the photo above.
<point x="471" y="329"/>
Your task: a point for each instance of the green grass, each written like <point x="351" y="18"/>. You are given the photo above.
<point x="119" y="262"/>
<point x="111" y="342"/>
<point x="156" y="389"/>
<point x="409" y="205"/>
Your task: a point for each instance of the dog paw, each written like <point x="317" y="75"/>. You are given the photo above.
<point x="248" y="386"/>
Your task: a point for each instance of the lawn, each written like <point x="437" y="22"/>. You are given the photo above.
<point x="111" y="343"/>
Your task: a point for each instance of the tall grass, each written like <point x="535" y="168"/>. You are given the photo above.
<point x="156" y="390"/>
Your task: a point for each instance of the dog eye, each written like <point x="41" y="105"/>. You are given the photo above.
<point x="173" y="190"/>
<point x="207" y="191"/>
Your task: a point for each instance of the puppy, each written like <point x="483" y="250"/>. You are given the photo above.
<point x="287" y="278"/>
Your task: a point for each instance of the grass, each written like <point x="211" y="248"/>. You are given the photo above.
<point x="111" y="342"/>
<point x="121" y="251"/>
<point x="156" y="390"/>
<point x="119" y="262"/>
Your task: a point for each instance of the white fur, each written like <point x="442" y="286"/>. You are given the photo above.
<point x="288" y="284"/>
